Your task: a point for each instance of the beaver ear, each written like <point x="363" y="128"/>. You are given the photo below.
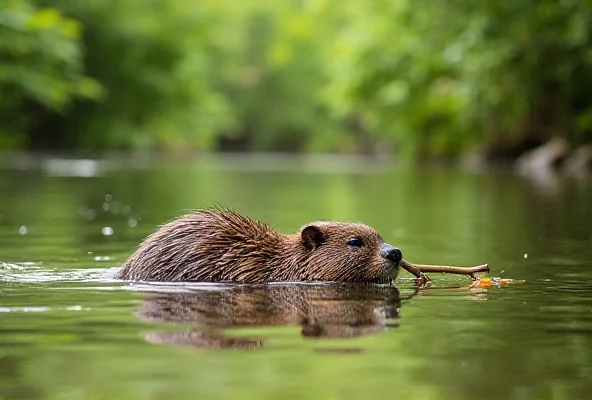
<point x="312" y="237"/>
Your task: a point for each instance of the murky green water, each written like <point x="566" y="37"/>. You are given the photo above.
<point x="69" y="332"/>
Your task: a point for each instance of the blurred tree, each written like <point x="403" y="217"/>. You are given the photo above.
<point x="41" y="69"/>
<point x="153" y="59"/>
<point x="444" y="78"/>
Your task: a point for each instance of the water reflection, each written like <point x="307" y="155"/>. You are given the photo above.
<point x="532" y="340"/>
<point x="323" y="311"/>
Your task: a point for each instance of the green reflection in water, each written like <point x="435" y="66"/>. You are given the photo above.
<point x="68" y="332"/>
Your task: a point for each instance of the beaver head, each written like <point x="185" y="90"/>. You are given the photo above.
<point x="343" y="251"/>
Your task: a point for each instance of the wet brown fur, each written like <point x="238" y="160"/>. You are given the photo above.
<point x="219" y="245"/>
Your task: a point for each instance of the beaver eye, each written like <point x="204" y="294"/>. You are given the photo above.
<point x="355" y="242"/>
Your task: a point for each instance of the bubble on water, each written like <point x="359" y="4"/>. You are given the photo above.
<point x="106" y="206"/>
<point x="108" y="198"/>
<point x="90" y="214"/>
<point x="525" y="255"/>
<point x="115" y="207"/>
<point x="90" y="253"/>
<point x="132" y="222"/>
<point x="23" y="230"/>
<point x="107" y="231"/>
<point x="126" y="209"/>
<point x="102" y="258"/>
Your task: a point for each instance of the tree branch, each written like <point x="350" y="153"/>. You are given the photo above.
<point x="418" y="270"/>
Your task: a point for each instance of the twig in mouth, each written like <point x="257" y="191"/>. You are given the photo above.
<point x="419" y="270"/>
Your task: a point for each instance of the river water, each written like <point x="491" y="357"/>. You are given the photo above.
<point x="69" y="331"/>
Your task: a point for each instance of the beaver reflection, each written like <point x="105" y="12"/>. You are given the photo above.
<point x="327" y="311"/>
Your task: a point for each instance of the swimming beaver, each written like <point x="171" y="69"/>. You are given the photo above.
<point x="220" y="245"/>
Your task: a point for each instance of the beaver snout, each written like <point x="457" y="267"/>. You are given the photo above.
<point x="391" y="253"/>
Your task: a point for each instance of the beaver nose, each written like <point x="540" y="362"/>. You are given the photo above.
<point x="391" y="253"/>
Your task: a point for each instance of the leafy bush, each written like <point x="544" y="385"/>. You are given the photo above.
<point x="41" y="68"/>
<point x="442" y="79"/>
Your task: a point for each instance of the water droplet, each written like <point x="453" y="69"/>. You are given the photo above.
<point x="106" y="206"/>
<point x="90" y="253"/>
<point x="132" y="222"/>
<point x="108" y="198"/>
<point x="115" y="207"/>
<point x="525" y="255"/>
<point x="23" y="230"/>
<point x="126" y="209"/>
<point x="107" y="231"/>
<point x="90" y="214"/>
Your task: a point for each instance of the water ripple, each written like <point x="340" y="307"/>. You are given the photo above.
<point x="33" y="272"/>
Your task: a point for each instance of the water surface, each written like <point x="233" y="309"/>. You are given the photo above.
<point x="68" y="331"/>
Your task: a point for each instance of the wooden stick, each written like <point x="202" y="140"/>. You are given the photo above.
<point x="418" y="270"/>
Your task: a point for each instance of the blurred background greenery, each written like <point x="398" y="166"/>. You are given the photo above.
<point x="432" y="78"/>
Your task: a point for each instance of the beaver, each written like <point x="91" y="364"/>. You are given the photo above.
<point x="326" y="310"/>
<point x="220" y="245"/>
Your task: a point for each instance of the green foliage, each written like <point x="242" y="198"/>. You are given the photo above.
<point x="151" y="58"/>
<point x="301" y="75"/>
<point x="40" y="65"/>
<point x="443" y="78"/>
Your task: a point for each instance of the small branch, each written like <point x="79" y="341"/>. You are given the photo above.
<point x="449" y="269"/>
<point x="418" y="270"/>
<point x="423" y="278"/>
